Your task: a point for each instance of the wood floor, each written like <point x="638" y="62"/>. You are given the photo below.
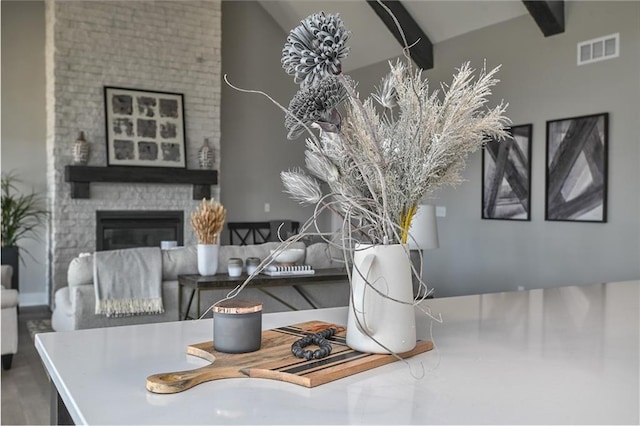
<point x="25" y="387"/>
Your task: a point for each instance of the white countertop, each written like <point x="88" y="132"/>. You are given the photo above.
<point x="554" y="356"/>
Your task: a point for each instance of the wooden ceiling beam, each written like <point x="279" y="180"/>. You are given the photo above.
<point x="549" y="15"/>
<point x="422" y="51"/>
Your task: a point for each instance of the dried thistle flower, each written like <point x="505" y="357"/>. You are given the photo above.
<point x="315" y="48"/>
<point x="207" y="221"/>
<point x="316" y="104"/>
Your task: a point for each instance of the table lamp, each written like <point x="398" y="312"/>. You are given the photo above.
<point x="424" y="230"/>
<point x="423" y="235"/>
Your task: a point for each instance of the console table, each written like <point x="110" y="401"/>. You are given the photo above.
<point x="198" y="283"/>
<point x="565" y="355"/>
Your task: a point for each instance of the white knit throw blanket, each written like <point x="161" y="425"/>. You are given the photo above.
<point x="128" y="282"/>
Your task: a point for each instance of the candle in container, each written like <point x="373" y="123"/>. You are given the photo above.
<point x="237" y="326"/>
<point x="235" y="267"/>
<point x="252" y="264"/>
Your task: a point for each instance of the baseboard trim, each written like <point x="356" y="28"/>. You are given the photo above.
<point x="33" y="299"/>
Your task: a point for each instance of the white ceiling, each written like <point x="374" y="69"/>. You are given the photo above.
<point x="371" y="41"/>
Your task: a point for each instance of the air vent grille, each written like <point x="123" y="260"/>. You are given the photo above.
<point x="599" y="49"/>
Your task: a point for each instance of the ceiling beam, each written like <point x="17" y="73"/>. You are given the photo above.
<point x="549" y="15"/>
<point x="422" y="51"/>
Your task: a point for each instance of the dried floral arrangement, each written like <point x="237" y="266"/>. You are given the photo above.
<point x="373" y="160"/>
<point x="382" y="156"/>
<point x="207" y="221"/>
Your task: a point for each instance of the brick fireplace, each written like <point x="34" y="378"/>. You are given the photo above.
<point x="160" y="46"/>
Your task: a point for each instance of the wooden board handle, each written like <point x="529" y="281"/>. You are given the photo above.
<point x="183" y="380"/>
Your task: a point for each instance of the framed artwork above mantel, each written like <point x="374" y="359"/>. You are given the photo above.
<point x="144" y="128"/>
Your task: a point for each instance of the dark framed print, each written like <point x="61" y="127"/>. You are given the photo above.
<point x="576" y="177"/>
<point x="144" y="128"/>
<point x="506" y="176"/>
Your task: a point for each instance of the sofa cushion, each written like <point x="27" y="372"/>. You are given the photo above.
<point x="322" y="256"/>
<point x="179" y="261"/>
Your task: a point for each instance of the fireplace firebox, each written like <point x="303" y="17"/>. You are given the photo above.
<point x="133" y="228"/>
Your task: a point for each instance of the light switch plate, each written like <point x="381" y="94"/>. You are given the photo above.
<point x="441" y="211"/>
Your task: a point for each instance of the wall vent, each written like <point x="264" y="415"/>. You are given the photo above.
<point x="599" y="49"/>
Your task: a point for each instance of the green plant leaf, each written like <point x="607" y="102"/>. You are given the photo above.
<point x="21" y="214"/>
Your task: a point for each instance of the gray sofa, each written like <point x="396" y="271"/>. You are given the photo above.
<point x="74" y="304"/>
<point x="9" y="318"/>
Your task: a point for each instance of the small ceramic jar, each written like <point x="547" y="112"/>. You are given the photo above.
<point x="234" y="266"/>
<point x="252" y="264"/>
<point x="237" y="326"/>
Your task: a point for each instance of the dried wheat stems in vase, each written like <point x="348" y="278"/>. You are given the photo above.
<point x="207" y="221"/>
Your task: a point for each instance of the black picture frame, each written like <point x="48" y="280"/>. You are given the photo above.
<point x="506" y="176"/>
<point x="144" y="128"/>
<point x="576" y="169"/>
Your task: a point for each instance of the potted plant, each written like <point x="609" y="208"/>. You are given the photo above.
<point x="21" y="214"/>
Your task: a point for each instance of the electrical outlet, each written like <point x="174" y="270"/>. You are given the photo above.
<point x="267" y="207"/>
<point x="441" y="211"/>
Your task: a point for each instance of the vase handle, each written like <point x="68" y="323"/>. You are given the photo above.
<point x="359" y="307"/>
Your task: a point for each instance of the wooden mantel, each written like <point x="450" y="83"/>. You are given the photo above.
<point x="80" y="178"/>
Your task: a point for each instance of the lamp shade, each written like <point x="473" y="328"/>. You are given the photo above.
<point x="424" y="230"/>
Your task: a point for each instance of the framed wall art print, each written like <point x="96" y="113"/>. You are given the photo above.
<point x="576" y="178"/>
<point x="506" y="176"/>
<point x="144" y="128"/>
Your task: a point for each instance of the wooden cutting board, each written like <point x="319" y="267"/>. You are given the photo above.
<point x="275" y="361"/>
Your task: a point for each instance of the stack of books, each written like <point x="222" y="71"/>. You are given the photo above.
<point x="279" y="270"/>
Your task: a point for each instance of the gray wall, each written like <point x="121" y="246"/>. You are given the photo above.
<point x="541" y="81"/>
<point x="254" y="146"/>
<point x="23" y="125"/>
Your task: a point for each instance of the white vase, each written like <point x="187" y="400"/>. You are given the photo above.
<point x="205" y="155"/>
<point x="207" y="259"/>
<point x="373" y="316"/>
<point x="81" y="151"/>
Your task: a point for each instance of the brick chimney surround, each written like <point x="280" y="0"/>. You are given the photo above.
<point x="147" y="45"/>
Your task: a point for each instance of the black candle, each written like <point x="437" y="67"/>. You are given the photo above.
<point x="237" y="326"/>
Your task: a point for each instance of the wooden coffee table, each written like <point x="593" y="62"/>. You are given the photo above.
<point x="198" y="283"/>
